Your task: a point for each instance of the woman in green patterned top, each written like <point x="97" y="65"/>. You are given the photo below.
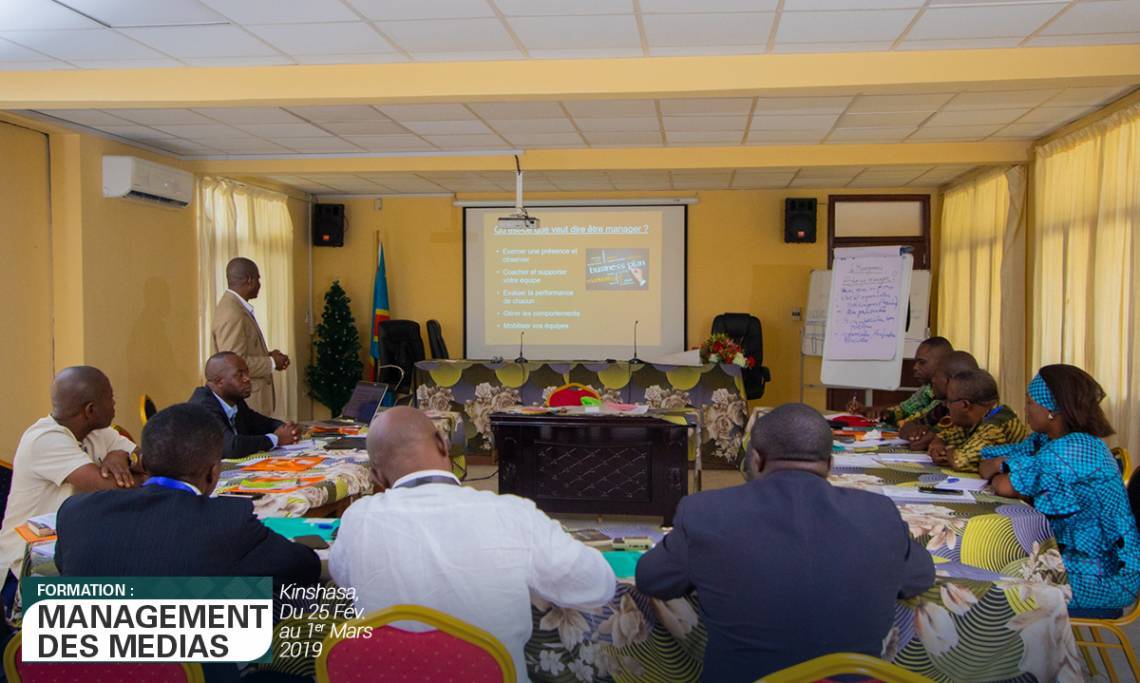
<point x="977" y="420"/>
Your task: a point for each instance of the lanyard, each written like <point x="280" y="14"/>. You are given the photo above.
<point x="993" y="411"/>
<point x="168" y="483"/>
<point x="435" y="479"/>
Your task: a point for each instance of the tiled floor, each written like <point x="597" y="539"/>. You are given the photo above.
<point x="484" y="477"/>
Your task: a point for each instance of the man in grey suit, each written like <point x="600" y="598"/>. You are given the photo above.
<point x="787" y="567"/>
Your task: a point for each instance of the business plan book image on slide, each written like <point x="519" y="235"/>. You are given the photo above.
<point x="620" y="269"/>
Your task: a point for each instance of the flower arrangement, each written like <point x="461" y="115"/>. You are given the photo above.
<point x="721" y="348"/>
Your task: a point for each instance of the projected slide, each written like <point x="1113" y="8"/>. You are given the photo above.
<point x="576" y="284"/>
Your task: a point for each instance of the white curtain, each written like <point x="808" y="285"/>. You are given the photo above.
<point x="981" y="290"/>
<point x="1086" y="265"/>
<point x="238" y="220"/>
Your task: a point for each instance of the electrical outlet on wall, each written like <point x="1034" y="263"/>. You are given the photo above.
<point x="796" y="315"/>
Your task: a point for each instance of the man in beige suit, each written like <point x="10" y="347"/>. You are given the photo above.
<point x="235" y="329"/>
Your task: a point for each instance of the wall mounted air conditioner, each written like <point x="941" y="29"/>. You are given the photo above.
<point x="136" y="178"/>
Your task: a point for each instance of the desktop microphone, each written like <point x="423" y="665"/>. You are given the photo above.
<point x="521" y="358"/>
<point x="635" y="359"/>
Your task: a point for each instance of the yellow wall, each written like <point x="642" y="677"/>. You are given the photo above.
<point x="737" y="262"/>
<point x="25" y="307"/>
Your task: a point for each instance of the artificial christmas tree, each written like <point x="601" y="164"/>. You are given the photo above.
<point x="338" y="367"/>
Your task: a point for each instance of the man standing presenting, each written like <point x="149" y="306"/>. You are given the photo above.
<point x="236" y="329"/>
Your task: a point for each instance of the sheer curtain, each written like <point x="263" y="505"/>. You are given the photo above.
<point x="981" y="290"/>
<point x="239" y="220"/>
<point x="1086" y="265"/>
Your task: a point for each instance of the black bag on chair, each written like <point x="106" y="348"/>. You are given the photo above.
<point x="435" y="340"/>
<point x="400" y="344"/>
<point x="745" y="329"/>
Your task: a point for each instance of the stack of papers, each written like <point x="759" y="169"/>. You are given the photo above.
<point x="909" y="494"/>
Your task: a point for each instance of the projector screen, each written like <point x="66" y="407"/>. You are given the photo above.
<point x="576" y="285"/>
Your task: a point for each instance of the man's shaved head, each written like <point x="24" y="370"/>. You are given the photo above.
<point x="950" y="365"/>
<point x="793" y="431"/>
<point x="403" y="440"/>
<point x="239" y="269"/>
<point x="217" y="364"/>
<point x="76" y="387"/>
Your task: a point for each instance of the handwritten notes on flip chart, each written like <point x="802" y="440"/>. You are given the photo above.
<point x="864" y="315"/>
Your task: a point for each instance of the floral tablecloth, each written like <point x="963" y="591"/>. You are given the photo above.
<point x="479" y="388"/>
<point x="342" y="474"/>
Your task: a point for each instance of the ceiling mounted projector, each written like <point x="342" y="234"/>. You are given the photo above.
<point x="519" y="220"/>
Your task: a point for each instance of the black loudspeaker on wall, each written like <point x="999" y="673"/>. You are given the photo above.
<point x="328" y="225"/>
<point x="799" y="219"/>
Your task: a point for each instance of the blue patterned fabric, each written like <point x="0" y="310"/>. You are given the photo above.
<point x="1039" y="392"/>
<point x="1075" y="482"/>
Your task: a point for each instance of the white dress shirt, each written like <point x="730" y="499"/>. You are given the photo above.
<point x="472" y="554"/>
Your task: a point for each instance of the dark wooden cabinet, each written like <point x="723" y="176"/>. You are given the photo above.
<point x="593" y="463"/>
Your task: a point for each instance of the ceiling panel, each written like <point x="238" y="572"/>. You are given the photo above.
<point x="323" y="38"/>
<point x="33" y="15"/>
<point x="988" y="21"/>
<point x="448" y="35"/>
<point x="201" y="41"/>
<point x="282" y="11"/>
<point x="91" y="44"/>
<point x="401" y="10"/>
<point x="122" y="13"/>
<point x="841" y="26"/>
<point x="688" y="30"/>
<point x="575" y="32"/>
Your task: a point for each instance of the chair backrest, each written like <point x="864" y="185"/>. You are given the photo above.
<point x="1123" y="461"/>
<point x="465" y="652"/>
<point x="845" y="664"/>
<point x="5" y="486"/>
<point x="18" y="671"/>
<point x="746" y="330"/>
<point x="147" y="408"/>
<point x="435" y="340"/>
<point x="400" y="344"/>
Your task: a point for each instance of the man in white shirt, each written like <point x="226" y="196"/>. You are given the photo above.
<point x="424" y="539"/>
<point x="73" y="450"/>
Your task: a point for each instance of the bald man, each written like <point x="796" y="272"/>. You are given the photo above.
<point x="245" y="430"/>
<point x="425" y="539"/>
<point x="235" y="329"/>
<point x="73" y="450"/>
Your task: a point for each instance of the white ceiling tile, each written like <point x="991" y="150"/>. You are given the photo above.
<point x="708" y="50"/>
<point x="999" y="99"/>
<point x="1054" y="115"/>
<point x="244" y="145"/>
<point x="201" y="41"/>
<point x="354" y="185"/>
<point x="102" y="44"/>
<point x="353" y="58"/>
<point x="448" y="35"/>
<point x="474" y="141"/>
<point x="403" y="10"/>
<point x="870" y="135"/>
<point x="484" y="56"/>
<point x="282" y="11"/>
<point x="577" y="32"/>
<point x="681" y="6"/>
<point x="162" y="63"/>
<point x="785" y="137"/>
<point x="518" y="110"/>
<point x="185" y="147"/>
<point x="470" y="127"/>
<point x="325" y="145"/>
<point x="700" y="182"/>
<point x="410" y="184"/>
<point x="990" y="21"/>
<point x="606" y="109"/>
<point x="86" y="117"/>
<point x="11" y="52"/>
<point x="829" y="174"/>
<point x="623" y="139"/>
<point x="706" y="106"/>
<point x="761" y="180"/>
<point x="806" y="5"/>
<point x="275" y="131"/>
<point x="883" y="119"/>
<point x="247" y="115"/>
<point x="263" y="60"/>
<point x="1025" y="130"/>
<point x="961" y="44"/>
<point x="517" y="126"/>
<point x="1088" y="96"/>
<point x="801" y="105"/>
<point x="615" y="125"/>
<point x="684" y="30"/>
<point x="973" y="117"/>
<point x="890" y="103"/>
<point x="377" y="127"/>
<point x="545" y="139"/>
<point x="32" y="15"/>
<point x="733" y="122"/>
<point x="523" y="8"/>
<point x="120" y="13"/>
<point x="818" y="182"/>
<point x="594" y="53"/>
<point x="341" y="113"/>
<point x="954" y="133"/>
<point x="1089" y="39"/>
<point x="135" y="132"/>
<point x="821" y="27"/>
<point x="801" y="122"/>
<point x="405" y="142"/>
<point x="823" y="48"/>
<point x="160" y="117"/>
<point x="45" y="65"/>
<point x="203" y="130"/>
<point x="704" y="137"/>
<point x="1116" y="16"/>
<point x="323" y="38"/>
<point x="637" y="183"/>
<point x="426" y="112"/>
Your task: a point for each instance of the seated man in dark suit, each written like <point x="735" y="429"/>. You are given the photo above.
<point x="787" y="567"/>
<point x="170" y="526"/>
<point x="246" y="430"/>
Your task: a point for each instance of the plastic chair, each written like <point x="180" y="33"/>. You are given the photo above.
<point x="19" y="671"/>
<point x="147" y="409"/>
<point x="1124" y="460"/>
<point x="1116" y="628"/>
<point x="467" y="653"/>
<point x="844" y="663"/>
<point x="123" y="432"/>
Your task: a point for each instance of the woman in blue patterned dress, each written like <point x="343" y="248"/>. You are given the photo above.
<point x="1068" y="473"/>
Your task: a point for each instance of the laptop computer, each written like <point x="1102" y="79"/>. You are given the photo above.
<point x="366" y="400"/>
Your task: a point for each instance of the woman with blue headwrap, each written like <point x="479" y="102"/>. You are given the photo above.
<point x="1068" y="473"/>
